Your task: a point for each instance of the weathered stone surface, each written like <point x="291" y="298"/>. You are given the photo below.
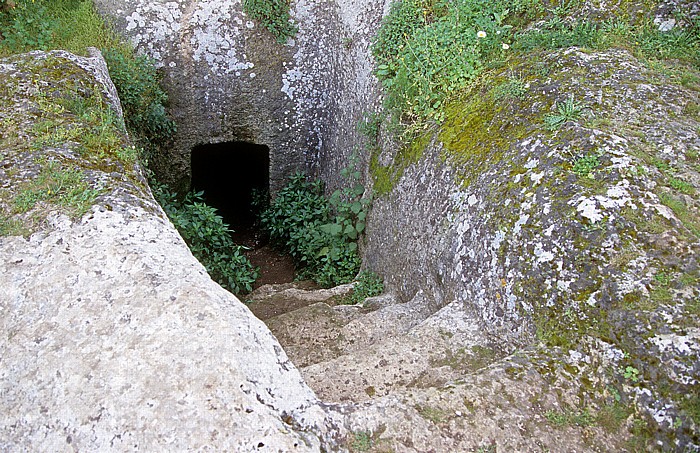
<point x="114" y="337"/>
<point x="229" y="80"/>
<point x="501" y="215"/>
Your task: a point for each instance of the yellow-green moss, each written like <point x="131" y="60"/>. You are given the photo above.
<point x="386" y="177"/>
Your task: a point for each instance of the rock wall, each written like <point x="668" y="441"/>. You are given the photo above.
<point x="229" y="80"/>
<point x="589" y="232"/>
<point x="114" y="336"/>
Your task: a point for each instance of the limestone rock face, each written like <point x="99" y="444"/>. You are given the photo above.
<point x="114" y="336"/>
<point x="228" y="79"/>
<point x="582" y="236"/>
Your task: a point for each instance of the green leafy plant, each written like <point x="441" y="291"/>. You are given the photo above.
<point x="585" y="166"/>
<point x="630" y="373"/>
<point x="427" y="51"/>
<point x="25" y="25"/>
<point x="569" y="110"/>
<point x="368" y="284"/>
<point x="209" y="239"/>
<point x="142" y="98"/>
<point x="273" y="15"/>
<point x="320" y="234"/>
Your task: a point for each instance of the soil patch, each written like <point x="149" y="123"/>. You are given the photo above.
<point x="275" y="266"/>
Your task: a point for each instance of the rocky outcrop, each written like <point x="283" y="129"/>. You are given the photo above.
<point x="114" y="337"/>
<point x="228" y="79"/>
<point x="582" y="236"/>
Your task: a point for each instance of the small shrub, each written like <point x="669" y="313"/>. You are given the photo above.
<point x="209" y="239"/>
<point x="319" y="233"/>
<point x="427" y="51"/>
<point x="273" y="15"/>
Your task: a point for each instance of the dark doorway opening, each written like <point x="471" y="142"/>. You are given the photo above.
<point x="230" y="174"/>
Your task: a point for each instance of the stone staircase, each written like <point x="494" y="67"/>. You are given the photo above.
<point x="357" y="352"/>
<point x="416" y="377"/>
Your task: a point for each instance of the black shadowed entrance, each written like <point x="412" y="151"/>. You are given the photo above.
<point x="229" y="173"/>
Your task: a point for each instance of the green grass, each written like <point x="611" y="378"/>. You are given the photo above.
<point x="569" y="417"/>
<point x="71" y="25"/>
<point x="64" y="187"/>
<point x="687" y="218"/>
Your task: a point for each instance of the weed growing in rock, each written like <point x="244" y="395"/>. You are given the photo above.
<point x="361" y="442"/>
<point x="681" y="186"/>
<point x="682" y="212"/>
<point x="514" y="88"/>
<point x="273" y="15"/>
<point x="432" y="414"/>
<point x="569" y="110"/>
<point x="209" y="239"/>
<point x="586" y="165"/>
<point x="65" y="188"/>
<point x="630" y="373"/>
<point x="570" y="417"/>
<point x="368" y="284"/>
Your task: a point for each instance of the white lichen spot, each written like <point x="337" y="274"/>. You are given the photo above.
<point x="665" y="24"/>
<point x="472" y="200"/>
<point x="520" y="222"/>
<point x="498" y="240"/>
<point x="563" y="285"/>
<point x="536" y="178"/>
<point x="532" y="163"/>
<point x="664" y="211"/>
<point x="588" y="210"/>
<point x="679" y="344"/>
<point x="591" y="300"/>
<point x="543" y="256"/>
